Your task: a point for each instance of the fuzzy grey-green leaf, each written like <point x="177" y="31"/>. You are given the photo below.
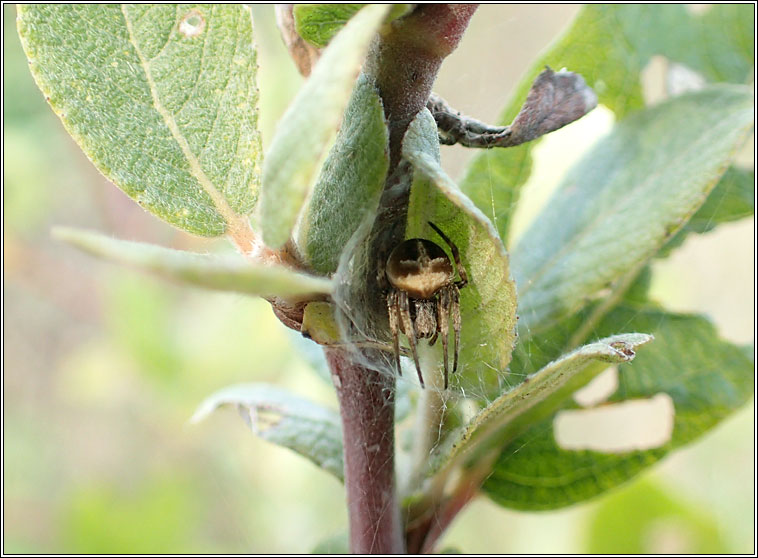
<point x="488" y="302"/>
<point x="705" y="377"/>
<point x="310" y="124"/>
<point x="234" y="274"/>
<point x="285" y="419"/>
<point x="625" y="198"/>
<point x="733" y="198"/>
<point x="547" y="388"/>
<point x="350" y="182"/>
<point x="161" y="98"/>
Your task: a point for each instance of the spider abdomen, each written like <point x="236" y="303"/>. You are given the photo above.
<point x="419" y="267"/>
<point x="424" y="316"/>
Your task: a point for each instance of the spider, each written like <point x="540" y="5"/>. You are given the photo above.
<point x="424" y="295"/>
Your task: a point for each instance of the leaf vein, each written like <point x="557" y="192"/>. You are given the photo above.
<point x="235" y="223"/>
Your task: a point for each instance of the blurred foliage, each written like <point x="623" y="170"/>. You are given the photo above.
<point x="159" y="516"/>
<point x="103" y="368"/>
<point x="655" y="522"/>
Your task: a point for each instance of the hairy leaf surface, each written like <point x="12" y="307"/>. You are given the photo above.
<point x="706" y="378"/>
<point x="161" y="98"/>
<point x="488" y="301"/>
<point x="234" y="274"/>
<point x="285" y="419"/>
<point x="625" y="198"/>
<point x="309" y="125"/>
<point x="350" y="182"/>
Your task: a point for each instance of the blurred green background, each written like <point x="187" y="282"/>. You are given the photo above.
<point x="103" y="367"/>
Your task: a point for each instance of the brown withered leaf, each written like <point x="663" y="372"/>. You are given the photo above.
<point x="554" y="100"/>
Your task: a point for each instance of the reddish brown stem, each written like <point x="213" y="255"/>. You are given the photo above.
<point x="403" y="63"/>
<point x="423" y="535"/>
<point x="448" y="511"/>
<point x="405" y="60"/>
<point x="367" y="409"/>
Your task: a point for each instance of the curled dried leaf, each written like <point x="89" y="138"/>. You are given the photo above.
<point x="555" y="99"/>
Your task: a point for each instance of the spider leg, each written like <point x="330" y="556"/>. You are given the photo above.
<point x="393" y="311"/>
<point x="443" y="319"/>
<point x="410" y="331"/>
<point x="456" y="256"/>
<point x="455" y="310"/>
<point x="433" y="340"/>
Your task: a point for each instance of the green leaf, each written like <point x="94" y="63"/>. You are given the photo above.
<point x="733" y="198"/>
<point x="318" y="23"/>
<point x="610" y="45"/>
<point x="234" y="274"/>
<point x="493" y="180"/>
<point x="161" y="98"/>
<point x="706" y="378"/>
<point x="336" y="544"/>
<point x="630" y="522"/>
<point x="284" y="419"/>
<point x="719" y="44"/>
<point x="625" y="198"/>
<point x="488" y="302"/>
<point x="749" y="351"/>
<point x="540" y="394"/>
<point x="309" y="125"/>
<point x="350" y="182"/>
<point x="534" y="352"/>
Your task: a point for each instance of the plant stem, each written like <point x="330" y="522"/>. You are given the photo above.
<point x="367" y="408"/>
<point x="403" y="63"/>
<point x="466" y="489"/>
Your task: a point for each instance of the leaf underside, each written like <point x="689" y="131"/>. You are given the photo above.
<point x="539" y="394"/>
<point x="234" y="274"/>
<point x="626" y="197"/>
<point x="350" y="182"/>
<point x="284" y="419"/>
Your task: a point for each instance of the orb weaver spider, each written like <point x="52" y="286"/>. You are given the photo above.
<point x="424" y="295"/>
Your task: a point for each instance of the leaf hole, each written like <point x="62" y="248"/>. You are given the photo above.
<point x="653" y="79"/>
<point x="669" y="536"/>
<point x="260" y="418"/>
<point x="599" y="389"/>
<point x="663" y="78"/>
<point x="638" y="424"/>
<point x="192" y="24"/>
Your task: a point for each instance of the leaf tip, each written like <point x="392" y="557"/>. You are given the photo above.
<point x="625" y="347"/>
<point x="202" y="412"/>
<point x="79" y="238"/>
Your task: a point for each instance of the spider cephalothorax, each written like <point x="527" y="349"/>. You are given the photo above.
<point x="424" y="295"/>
